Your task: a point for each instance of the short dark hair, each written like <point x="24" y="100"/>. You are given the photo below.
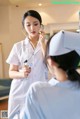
<point x="32" y="13"/>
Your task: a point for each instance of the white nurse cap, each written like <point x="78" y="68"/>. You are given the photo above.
<point x="64" y="42"/>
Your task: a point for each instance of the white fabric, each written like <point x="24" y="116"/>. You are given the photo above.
<point x="64" y="42"/>
<point x="20" y="52"/>
<point x="60" y="100"/>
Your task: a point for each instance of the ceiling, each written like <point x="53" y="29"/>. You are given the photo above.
<point x="57" y="14"/>
<point x="26" y="3"/>
<point x="34" y="3"/>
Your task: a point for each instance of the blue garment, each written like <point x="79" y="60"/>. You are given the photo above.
<point x="53" y="101"/>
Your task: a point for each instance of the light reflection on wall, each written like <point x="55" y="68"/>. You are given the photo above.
<point x="46" y="18"/>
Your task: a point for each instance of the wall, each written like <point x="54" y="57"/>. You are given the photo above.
<point x="54" y="18"/>
<point x="54" y="27"/>
<point x="4" y="32"/>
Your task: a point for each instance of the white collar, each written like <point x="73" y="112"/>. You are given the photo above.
<point x="65" y="84"/>
<point x="26" y="41"/>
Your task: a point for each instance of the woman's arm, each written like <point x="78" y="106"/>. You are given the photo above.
<point x="43" y="42"/>
<point x="15" y="73"/>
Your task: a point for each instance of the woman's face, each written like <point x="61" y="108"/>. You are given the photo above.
<point x="32" y="26"/>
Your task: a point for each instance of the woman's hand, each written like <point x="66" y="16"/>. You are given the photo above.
<point x="25" y="71"/>
<point x="41" y="36"/>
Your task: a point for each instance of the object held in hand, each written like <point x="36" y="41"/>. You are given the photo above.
<point x="40" y="32"/>
<point x="25" y="62"/>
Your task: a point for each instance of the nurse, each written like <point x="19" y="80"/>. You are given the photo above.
<point x="60" y="97"/>
<point x="26" y="61"/>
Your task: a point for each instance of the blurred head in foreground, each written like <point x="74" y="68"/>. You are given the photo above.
<point x="63" y="55"/>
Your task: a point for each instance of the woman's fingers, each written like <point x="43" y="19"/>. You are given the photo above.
<point x="26" y="70"/>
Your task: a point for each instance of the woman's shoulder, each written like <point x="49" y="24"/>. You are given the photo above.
<point x="22" y="42"/>
<point x="38" y="86"/>
<point x="19" y="43"/>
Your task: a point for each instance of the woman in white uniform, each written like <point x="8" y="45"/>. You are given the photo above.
<point x="60" y="97"/>
<point x="26" y="61"/>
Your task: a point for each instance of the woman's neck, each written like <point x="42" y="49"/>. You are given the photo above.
<point x="61" y="75"/>
<point x="34" y="41"/>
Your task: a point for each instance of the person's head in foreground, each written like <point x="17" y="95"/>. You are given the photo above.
<point x="60" y="98"/>
<point x="63" y="56"/>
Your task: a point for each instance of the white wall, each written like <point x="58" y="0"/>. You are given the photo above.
<point x="54" y="18"/>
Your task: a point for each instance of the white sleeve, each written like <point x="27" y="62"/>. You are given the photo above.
<point x="13" y="56"/>
<point x="32" y="109"/>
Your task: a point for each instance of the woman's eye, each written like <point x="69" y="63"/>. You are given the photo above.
<point x="28" y="25"/>
<point x="35" y="24"/>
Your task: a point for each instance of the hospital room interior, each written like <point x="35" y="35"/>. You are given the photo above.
<point x="55" y="17"/>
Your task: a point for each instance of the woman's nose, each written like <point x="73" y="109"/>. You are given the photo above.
<point x="32" y="27"/>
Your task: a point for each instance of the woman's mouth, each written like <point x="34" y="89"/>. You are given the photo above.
<point x="33" y="32"/>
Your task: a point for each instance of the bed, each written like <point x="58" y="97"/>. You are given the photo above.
<point x="4" y="88"/>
